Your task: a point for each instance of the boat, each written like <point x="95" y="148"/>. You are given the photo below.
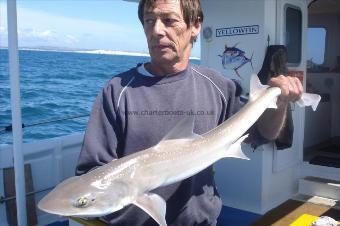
<point x="234" y="40"/>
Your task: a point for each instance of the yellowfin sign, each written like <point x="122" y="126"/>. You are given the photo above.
<point x="232" y="31"/>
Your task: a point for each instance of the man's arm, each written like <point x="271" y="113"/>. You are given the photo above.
<point x="272" y="120"/>
<point x="101" y="136"/>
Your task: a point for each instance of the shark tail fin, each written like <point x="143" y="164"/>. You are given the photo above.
<point x="309" y="99"/>
<point x="235" y="150"/>
<point x="256" y="88"/>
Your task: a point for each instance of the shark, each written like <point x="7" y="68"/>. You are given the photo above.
<point x="179" y="155"/>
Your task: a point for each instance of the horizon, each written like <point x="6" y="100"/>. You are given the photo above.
<point x="89" y="51"/>
<point x="79" y="24"/>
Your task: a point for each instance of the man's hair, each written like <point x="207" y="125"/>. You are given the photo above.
<point x="191" y="9"/>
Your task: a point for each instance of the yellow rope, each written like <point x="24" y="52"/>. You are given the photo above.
<point x="88" y="222"/>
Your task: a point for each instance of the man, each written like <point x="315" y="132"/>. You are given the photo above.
<point x="137" y="108"/>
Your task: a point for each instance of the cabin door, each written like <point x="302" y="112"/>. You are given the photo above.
<point x="322" y="130"/>
<point x="291" y="24"/>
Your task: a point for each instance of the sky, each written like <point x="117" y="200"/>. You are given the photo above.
<point x="83" y="24"/>
<point x="316" y="37"/>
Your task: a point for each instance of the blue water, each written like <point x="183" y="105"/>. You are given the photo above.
<point x="57" y="85"/>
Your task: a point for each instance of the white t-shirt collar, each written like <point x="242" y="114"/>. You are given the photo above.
<point x="141" y="69"/>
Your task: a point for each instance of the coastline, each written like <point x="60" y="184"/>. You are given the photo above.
<point x="96" y="51"/>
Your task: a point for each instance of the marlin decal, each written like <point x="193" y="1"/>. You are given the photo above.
<point x="181" y="154"/>
<point x="234" y="58"/>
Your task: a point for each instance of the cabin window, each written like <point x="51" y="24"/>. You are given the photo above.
<point x="316" y="44"/>
<point x="293" y="34"/>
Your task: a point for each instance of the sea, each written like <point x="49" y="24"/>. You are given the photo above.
<point x="58" y="89"/>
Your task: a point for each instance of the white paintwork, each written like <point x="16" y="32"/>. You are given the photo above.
<point x="224" y="14"/>
<point x="306" y="169"/>
<point x="317" y="200"/>
<point x="315" y="186"/>
<point x="51" y="160"/>
<point x="13" y="61"/>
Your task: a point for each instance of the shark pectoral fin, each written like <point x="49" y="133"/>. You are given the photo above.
<point x="235" y="150"/>
<point x="309" y="99"/>
<point x="154" y="205"/>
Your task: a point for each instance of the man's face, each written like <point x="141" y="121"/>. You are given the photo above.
<point x="169" y="38"/>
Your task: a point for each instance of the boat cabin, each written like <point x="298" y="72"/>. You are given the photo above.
<point x="234" y="40"/>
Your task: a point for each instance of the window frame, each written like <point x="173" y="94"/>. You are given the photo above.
<point x="285" y="8"/>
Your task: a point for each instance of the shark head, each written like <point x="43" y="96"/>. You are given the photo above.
<point x="77" y="196"/>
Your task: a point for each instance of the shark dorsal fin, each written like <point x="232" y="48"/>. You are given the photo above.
<point x="256" y="88"/>
<point x="183" y="130"/>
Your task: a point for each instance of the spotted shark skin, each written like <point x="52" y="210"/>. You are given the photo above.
<point x="179" y="155"/>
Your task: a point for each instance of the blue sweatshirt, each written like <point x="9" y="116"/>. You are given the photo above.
<point x="134" y="112"/>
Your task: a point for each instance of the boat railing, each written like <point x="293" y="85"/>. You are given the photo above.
<point x="50" y="161"/>
<point x="10" y="198"/>
<point x="9" y="128"/>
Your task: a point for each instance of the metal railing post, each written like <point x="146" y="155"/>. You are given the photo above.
<point x="13" y="59"/>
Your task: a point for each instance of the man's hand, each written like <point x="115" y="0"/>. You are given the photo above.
<point x="272" y="120"/>
<point x="291" y="89"/>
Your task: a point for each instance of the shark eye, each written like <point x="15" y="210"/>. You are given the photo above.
<point x="81" y="202"/>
